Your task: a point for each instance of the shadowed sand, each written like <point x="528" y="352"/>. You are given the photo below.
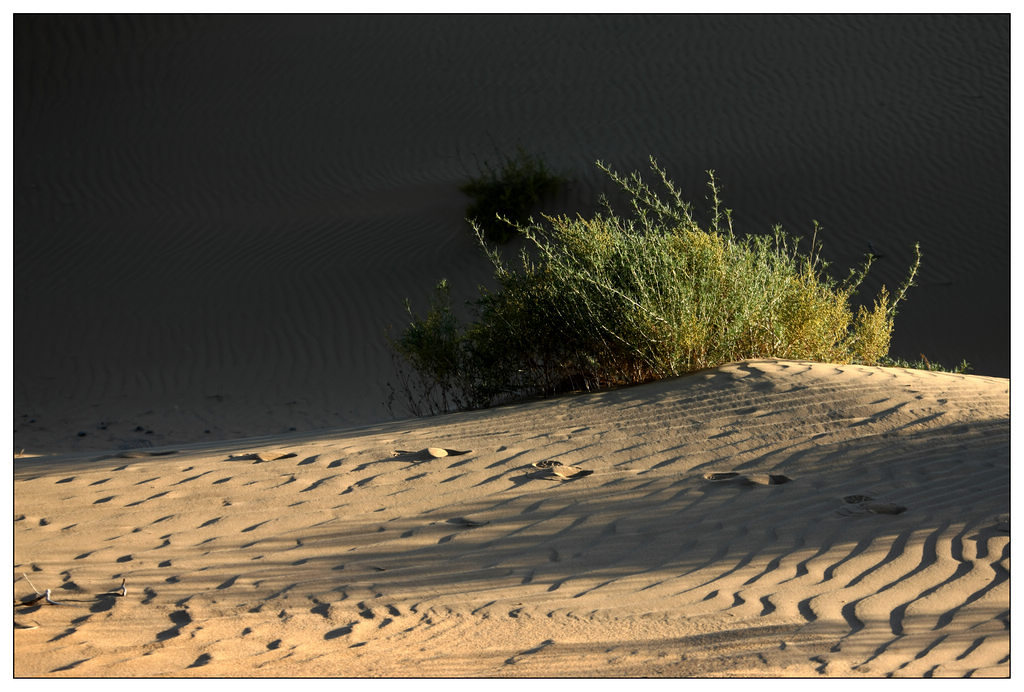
<point x="219" y="217"/>
<point x="343" y="553"/>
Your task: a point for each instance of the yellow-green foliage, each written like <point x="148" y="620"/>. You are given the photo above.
<point x="872" y="330"/>
<point x="604" y="301"/>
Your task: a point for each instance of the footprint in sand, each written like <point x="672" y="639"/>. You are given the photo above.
<point x="138" y="454"/>
<point x="70" y="666"/>
<point x="151" y="497"/>
<point x="202" y="660"/>
<point x="180" y="618"/>
<point x="856" y="499"/>
<point x="339" y="632"/>
<point x="860" y="504"/>
<point x="559" y="470"/>
<point x="322" y="609"/>
<point x="247" y="529"/>
<point x="467" y="523"/>
<point x="191" y="478"/>
<point x="440" y="452"/>
<point x="316" y="484"/>
<point x="261" y="457"/>
<point x="103" y="603"/>
<point x="516" y="658"/>
<point x="430" y="453"/>
<point x="745" y="480"/>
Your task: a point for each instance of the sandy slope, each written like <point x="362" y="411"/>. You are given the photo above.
<point x="352" y="552"/>
<point x="218" y="218"/>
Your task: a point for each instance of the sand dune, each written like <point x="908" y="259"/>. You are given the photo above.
<point x="872" y="540"/>
<point x="219" y="217"/>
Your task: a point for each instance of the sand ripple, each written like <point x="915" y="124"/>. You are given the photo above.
<point x="342" y="554"/>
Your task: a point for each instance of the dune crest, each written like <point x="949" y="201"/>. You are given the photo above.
<point x="329" y="554"/>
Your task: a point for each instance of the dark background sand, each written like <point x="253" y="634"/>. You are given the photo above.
<point x="218" y="217"/>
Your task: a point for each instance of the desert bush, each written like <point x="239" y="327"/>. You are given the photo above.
<point x="923" y="363"/>
<point x="607" y="300"/>
<point x="503" y="198"/>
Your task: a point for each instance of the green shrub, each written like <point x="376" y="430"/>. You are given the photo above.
<point x="503" y="199"/>
<point x="925" y="364"/>
<point x="605" y="301"/>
